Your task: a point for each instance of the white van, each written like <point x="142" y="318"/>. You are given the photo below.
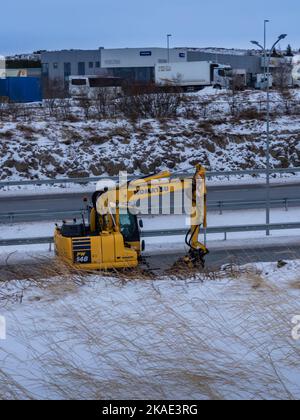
<point x="87" y="86"/>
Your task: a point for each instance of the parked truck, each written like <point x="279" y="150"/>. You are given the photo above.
<point x="296" y="71"/>
<point x="194" y="75"/>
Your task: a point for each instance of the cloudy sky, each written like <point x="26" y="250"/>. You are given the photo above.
<point x="42" y="24"/>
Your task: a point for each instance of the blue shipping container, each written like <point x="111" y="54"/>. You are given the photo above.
<point x="3" y="87"/>
<point x="21" y="89"/>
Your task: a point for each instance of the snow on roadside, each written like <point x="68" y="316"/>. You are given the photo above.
<point x="174" y="243"/>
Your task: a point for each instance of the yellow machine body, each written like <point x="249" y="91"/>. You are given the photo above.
<point x="99" y="252"/>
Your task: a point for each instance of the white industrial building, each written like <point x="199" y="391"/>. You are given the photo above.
<point x="138" y="64"/>
<point x="128" y="63"/>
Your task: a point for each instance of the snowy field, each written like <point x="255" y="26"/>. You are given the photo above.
<point x="180" y="335"/>
<point x="226" y="335"/>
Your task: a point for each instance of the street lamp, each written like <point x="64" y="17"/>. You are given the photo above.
<point x="265" y="46"/>
<point x="168" y="46"/>
<point x="268" y="169"/>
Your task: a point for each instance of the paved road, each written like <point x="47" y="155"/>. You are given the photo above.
<point x="234" y="194"/>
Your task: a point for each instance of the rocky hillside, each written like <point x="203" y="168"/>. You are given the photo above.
<point x="210" y="129"/>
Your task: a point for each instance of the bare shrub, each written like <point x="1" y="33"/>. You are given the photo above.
<point x="52" y="91"/>
<point x="149" y="101"/>
<point x="85" y="104"/>
<point x="232" y="98"/>
<point x="14" y="110"/>
<point x="3" y="106"/>
<point x="282" y="75"/>
<point x="104" y="101"/>
<point x="250" y="113"/>
<point x="65" y="110"/>
<point x="287" y="99"/>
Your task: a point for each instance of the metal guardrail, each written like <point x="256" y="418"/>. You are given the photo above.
<point x="36" y="216"/>
<point x="210" y="174"/>
<point x="220" y="206"/>
<point x="167" y="232"/>
<point x="27" y="241"/>
<point x="224" y="229"/>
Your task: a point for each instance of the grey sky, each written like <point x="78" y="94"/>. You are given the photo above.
<point x="38" y="24"/>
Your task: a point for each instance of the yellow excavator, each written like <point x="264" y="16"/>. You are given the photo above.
<point x="112" y="237"/>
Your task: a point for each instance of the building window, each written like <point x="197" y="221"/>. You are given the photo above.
<point x="97" y="64"/>
<point x="81" y="68"/>
<point x="138" y="74"/>
<point x="91" y="65"/>
<point x="67" y="70"/>
<point x="79" y="82"/>
<point x="45" y="69"/>
<point x="55" y="66"/>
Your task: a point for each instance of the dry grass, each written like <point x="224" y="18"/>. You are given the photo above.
<point x="209" y="335"/>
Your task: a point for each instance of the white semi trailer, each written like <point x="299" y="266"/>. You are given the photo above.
<point x="296" y="71"/>
<point x="193" y="75"/>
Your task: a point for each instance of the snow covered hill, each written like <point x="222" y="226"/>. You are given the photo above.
<point x="221" y="130"/>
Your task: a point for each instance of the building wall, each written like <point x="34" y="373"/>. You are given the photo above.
<point x="59" y="65"/>
<point x="251" y="63"/>
<point x="140" y="57"/>
<point x="131" y="63"/>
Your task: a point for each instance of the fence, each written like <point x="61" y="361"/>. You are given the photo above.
<point x="167" y="232"/>
<point x="220" y="206"/>
<point x="85" y="181"/>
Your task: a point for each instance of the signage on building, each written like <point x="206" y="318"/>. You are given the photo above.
<point x="145" y="53"/>
<point x="182" y="55"/>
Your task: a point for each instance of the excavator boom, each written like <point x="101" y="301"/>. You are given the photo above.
<point x="112" y="239"/>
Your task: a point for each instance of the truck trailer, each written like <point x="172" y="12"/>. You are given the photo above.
<point x="296" y="71"/>
<point x="193" y="75"/>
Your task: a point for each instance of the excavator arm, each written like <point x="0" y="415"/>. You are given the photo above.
<point x="110" y="203"/>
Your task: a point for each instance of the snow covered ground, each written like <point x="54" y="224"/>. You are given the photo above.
<point x="227" y="335"/>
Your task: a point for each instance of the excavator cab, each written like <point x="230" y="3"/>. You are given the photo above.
<point x="95" y="246"/>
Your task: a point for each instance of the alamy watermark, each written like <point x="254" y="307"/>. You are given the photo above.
<point x="2" y="328"/>
<point x="296" y="329"/>
<point x="162" y="195"/>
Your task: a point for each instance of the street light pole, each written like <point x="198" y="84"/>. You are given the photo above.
<point x="265" y="46"/>
<point x="168" y="46"/>
<point x="268" y="168"/>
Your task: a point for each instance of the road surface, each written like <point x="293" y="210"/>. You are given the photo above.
<point x="239" y="256"/>
<point x="240" y="197"/>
